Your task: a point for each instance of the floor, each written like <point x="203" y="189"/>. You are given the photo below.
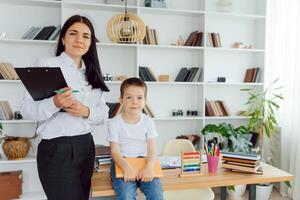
<point x="274" y="196"/>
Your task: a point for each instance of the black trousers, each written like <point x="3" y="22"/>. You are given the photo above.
<point x="65" y="167"/>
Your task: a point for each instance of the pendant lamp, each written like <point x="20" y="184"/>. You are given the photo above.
<point x="126" y="28"/>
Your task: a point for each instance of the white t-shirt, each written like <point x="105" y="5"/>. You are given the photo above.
<point x="132" y="138"/>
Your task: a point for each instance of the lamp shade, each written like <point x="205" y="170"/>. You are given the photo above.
<point x="126" y="28"/>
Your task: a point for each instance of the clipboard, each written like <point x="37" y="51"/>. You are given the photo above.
<point x="41" y="82"/>
<point x="137" y="164"/>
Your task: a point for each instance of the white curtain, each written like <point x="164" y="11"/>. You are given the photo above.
<point x="283" y="61"/>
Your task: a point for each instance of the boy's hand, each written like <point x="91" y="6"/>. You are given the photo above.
<point x="146" y="174"/>
<point x="129" y="174"/>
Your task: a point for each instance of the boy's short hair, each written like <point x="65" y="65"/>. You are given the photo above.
<point x="134" y="81"/>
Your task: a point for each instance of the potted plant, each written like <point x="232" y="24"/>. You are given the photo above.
<point x="237" y="142"/>
<point x="237" y="138"/>
<point x="263" y="106"/>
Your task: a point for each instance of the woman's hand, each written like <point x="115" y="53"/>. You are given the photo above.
<point x="78" y="109"/>
<point x="129" y="174"/>
<point x="146" y="174"/>
<point x="62" y="100"/>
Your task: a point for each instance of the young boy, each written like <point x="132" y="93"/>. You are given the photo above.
<point x="132" y="134"/>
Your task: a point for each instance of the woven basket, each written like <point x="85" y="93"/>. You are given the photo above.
<point x="16" y="148"/>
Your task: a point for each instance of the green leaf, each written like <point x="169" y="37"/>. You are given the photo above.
<point x="231" y="187"/>
<point x="288" y="184"/>
<point x="246" y="89"/>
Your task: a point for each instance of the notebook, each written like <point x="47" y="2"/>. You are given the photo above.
<point x="137" y="164"/>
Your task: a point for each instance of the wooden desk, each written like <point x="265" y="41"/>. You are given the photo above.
<point x="101" y="182"/>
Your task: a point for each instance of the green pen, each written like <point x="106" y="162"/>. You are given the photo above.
<point x="62" y="91"/>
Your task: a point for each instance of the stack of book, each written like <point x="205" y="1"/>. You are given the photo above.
<point x="192" y="74"/>
<point x="8" y="72"/>
<point x="194" y="39"/>
<point x="146" y="74"/>
<point x="102" y="158"/>
<point x="252" y="75"/>
<point x="242" y="162"/>
<point x="216" y="108"/>
<point x="42" y="33"/>
<point x="6" y="112"/>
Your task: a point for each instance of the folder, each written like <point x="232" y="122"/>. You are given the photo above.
<point x="41" y="82"/>
<point x="137" y="164"/>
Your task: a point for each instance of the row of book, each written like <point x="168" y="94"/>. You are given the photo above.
<point x="146" y="74"/>
<point x="6" y="112"/>
<point x="116" y="108"/>
<point x="151" y="36"/>
<point x="216" y="108"/>
<point x="213" y="40"/>
<point x="252" y="75"/>
<point x="194" y="39"/>
<point x="42" y="33"/>
<point x="242" y="162"/>
<point x="8" y="72"/>
<point x="192" y="74"/>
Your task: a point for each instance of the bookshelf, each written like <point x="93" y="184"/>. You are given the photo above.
<point x="244" y="23"/>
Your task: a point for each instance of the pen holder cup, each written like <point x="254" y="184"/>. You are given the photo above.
<point x="212" y="162"/>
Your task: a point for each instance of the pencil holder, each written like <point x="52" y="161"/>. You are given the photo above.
<point x="212" y="162"/>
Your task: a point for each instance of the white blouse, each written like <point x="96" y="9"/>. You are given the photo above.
<point x="52" y="123"/>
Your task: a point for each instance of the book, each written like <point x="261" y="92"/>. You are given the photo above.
<point x="32" y="34"/>
<point x="27" y="32"/>
<point x="246" y="161"/>
<point x="258" y="171"/>
<point x="240" y="168"/>
<point x="138" y="164"/>
<point x="167" y="162"/>
<point x="6" y="109"/>
<point x="240" y="155"/>
<point x="191" y="38"/>
<point x="11" y="70"/>
<point x="249" y="75"/>
<point x="242" y="164"/>
<point x="102" y="150"/>
<point x="55" y="33"/>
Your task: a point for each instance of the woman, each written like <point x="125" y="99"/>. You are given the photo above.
<point x="65" y="156"/>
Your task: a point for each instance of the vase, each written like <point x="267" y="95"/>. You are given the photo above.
<point x="238" y="192"/>
<point x="16" y="147"/>
<point x="224" y="5"/>
<point x="263" y="191"/>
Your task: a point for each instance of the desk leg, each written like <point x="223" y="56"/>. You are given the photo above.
<point x="223" y="193"/>
<point x="252" y="192"/>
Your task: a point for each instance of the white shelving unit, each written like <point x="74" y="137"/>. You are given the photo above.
<point x="244" y="23"/>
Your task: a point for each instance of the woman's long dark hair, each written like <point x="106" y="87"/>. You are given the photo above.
<point x="93" y="72"/>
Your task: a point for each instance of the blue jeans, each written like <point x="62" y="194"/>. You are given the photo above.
<point x="127" y="190"/>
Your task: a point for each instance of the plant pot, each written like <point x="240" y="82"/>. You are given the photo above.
<point x="238" y="192"/>
<point x="263" y="191"/>
<point x="16" y="147"/>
